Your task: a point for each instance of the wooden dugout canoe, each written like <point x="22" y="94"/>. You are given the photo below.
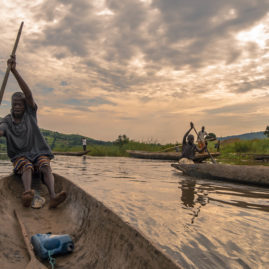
<point x="250" y="174"/>
<point x="101" y="238"/>
<point x="261" y="157"/>
<point x="172" y="156"/>
<point x="81" y="153"/>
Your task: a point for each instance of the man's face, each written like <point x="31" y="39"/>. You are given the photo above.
<point x="191" y="140"/>
<point x="18" y="107"/>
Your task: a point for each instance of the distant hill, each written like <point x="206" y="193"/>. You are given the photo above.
<point x="59" y="141"/>
<point x="247" y="136"/>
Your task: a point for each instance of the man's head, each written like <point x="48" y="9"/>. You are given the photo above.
<point x="18" y="104"/>
<point x="190" y="139"/>
<point x="203" y="128"/>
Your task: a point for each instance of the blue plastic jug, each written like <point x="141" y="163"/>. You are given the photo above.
<point x="55" y="244"/>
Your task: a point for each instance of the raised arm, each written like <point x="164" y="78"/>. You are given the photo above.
<point x="185" y="136"/>
<point x="24" y="87"/>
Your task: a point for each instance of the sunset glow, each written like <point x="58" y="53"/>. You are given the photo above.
<point x="143" y="68"/>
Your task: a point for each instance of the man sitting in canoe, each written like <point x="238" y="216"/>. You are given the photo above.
<point x="26" y="147"/>
<point x="188" y="146"/>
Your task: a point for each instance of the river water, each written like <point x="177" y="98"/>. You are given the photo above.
<point x="199" y="223"/>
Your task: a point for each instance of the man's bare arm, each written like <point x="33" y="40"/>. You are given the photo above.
<point x="184" y="141"/>
<point x="1" y="133"/>
<point x="24" y="87"/>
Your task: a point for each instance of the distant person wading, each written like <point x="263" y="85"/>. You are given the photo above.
<point x="84" y="144"/>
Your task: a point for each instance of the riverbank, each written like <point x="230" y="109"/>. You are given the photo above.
<point x="232" y="151"/>
<point x="114" y="150"/>
<point x="243" y="152"/>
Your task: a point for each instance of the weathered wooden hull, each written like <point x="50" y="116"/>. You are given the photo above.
<point x="258" y="175"/>
<point x="101" y="238"/>
<point x="172" y="156"/>
<point x="263" y="157"/>
<point x="72" y="153"/>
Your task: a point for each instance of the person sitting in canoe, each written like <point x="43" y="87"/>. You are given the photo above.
<point x="26" y="147"/>
<point x="188" y="146"/>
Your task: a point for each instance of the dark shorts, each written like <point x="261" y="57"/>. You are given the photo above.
<point x="22" y="164"/>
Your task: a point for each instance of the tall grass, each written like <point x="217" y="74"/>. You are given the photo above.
<point x="228" y="149"/>
<point x="259" y="146"/>
<point x="116" y="150"/>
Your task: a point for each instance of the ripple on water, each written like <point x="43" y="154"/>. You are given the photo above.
<point x="200" y="223"/>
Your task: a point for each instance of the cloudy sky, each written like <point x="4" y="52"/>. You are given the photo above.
<point x="144" y="68"/>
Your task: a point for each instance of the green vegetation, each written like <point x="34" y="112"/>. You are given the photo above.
<point x="258" y="146"/>
<point x="232" y="150"/>
<point x="242" y="151"/>
<point x="122" y="139"/>
<point x="73" y="143"/>
<point x="211" y="136"/>
<point x="61" y="142"/>
<point x="119" y="149"/>
<point x="266" y="132"/>
<point x="64" y="142"/>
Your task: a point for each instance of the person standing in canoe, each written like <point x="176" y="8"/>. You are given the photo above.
<point x="26" y="147"/>
<point x="84" y="144"/>
<point x="201" y="137"/>
<point x="189" y="148"/>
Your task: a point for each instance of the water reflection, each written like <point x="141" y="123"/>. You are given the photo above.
<point x="192" y="197"/>
<point x="215" y="224"/>
<point x="243" y="204"/>
<point x="187" y="192"/>
<point x="84" y="163"/>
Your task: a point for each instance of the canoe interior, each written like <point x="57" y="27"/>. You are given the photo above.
<point x="254" y="175"/>
<point x="173" y="156"/>
<point x="101" y="238"/>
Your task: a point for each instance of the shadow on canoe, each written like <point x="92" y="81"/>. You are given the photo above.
<point x="102" y="239"/>
<point x="81" y="153"/>
<point x="172" y="156"/>
<point x="248" y="174"/>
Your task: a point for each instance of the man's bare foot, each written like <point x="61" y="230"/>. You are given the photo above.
<point x="58" y="199"/>
<point x="27" y="198"/>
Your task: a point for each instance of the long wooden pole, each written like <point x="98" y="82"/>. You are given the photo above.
<point x="179" y="146"/>
<point x="8" y="67"/>
<point x="34" y="262"/>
